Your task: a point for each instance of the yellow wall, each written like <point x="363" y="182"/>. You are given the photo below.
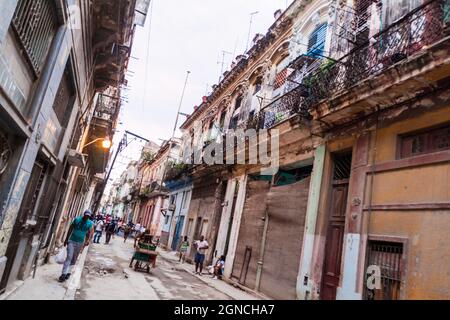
<point x="427" y="231"/>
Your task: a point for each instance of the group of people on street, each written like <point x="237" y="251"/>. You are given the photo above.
<point x="201" y="246"/>
<point x="85" y="227"/>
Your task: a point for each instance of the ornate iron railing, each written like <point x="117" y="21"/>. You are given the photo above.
<point x="418" y="29"/>
<point x="290" y="103"/>
<point x="281" y="109"/>
<point x="106" y="104"/>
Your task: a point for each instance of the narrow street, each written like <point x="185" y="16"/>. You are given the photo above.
<point x="107" y="275"/>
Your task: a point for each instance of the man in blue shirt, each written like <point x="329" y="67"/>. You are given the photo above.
<point x="78" y="237"/>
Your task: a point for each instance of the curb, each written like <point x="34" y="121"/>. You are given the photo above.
<point x="229" y="282"/>
<point x="17" y="285"/>
<point x="75" y="280"/>
<point x="198" y="277"/>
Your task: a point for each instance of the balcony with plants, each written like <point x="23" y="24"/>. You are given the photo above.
<point x="386" y="67"/>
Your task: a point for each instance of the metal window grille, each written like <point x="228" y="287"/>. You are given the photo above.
<point x="35" y="22"/>
<point x="388" y="257"/>
<point x="342" y="166"/>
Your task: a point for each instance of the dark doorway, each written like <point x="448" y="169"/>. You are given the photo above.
<point x="24" y="231"/>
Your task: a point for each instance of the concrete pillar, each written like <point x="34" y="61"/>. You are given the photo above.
<point x="352" y="255"/>
<point x="7" y="9"/>
<point x="304" y="282"/>
<point x="240" y="201"/>
<point x="225" y="219"/>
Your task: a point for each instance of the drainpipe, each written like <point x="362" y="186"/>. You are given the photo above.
<point x="47" y="73"/>
<point x="261" y="252"/>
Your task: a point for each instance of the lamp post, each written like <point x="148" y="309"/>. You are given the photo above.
<point x="106" y="143"/>
<point x="122" y="145"/>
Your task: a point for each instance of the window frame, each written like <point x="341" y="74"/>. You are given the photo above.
<point x="424" y="131"/>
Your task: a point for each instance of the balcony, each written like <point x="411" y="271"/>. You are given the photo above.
<point x="280" y="109"/>
<point x="411" y="49"/>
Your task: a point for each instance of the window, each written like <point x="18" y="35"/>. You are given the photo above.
<point x="388" y="257"/>
<point x="185" y="199"/>
<point x="204" y="228"/>
<point x="396" y="9"/>
<point x="433" y="140"/>
<point x="222" y="118"/>
<point x="61" y="104"/>
<point x="234" y="122"/>
<point x="167" y="220"/>
<point x="35" y="23"/>
<point x="238" y="103"/>
<point x="316" y="41"/>
<point x="258" y="85"/>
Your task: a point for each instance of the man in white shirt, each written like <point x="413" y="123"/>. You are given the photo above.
<point x="201" y="246"/>
<point x="98" y="230"/>
<point x="137" y="229"/>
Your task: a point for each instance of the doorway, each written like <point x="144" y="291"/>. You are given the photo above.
<point x="26" y="224"/>
<point x="177" y="233"/>
<point x="331" y="273"/>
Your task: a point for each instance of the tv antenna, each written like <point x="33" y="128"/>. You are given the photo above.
<point x="250" y="28"/>
<point x="223" y="63"/>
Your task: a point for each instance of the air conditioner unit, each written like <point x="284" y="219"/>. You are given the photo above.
<point x="172" y="207"/>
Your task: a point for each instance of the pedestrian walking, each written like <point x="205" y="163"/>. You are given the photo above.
<point x="110" y="231"/>
<point x="98" y="230"/>
<point x="126" y="232"/>
<point x="201" y="246"/>
<point x="78" y="237"/>
<point x="137" y="229"/>
<point x="142" y="230"/>
<point x="119" y="226"/>
<point x="183" y="249"/>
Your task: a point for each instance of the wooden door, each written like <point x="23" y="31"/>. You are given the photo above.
<point x="331" y="272"/>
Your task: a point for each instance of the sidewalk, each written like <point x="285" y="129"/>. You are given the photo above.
<point x="45" y="285"/>
<point x="226" y="288"/>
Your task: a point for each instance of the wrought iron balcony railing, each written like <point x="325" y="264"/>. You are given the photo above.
<point x="417" y="30"/>
<point x="281" y="109"/>
<point x="106" y="104"/>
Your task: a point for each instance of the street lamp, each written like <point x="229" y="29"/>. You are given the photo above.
<point x="106" y="143"/>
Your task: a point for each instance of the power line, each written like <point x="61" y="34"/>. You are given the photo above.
<point x="147" y="54"/>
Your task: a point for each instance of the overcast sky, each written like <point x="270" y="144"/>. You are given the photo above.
<point x="182" y="35"/>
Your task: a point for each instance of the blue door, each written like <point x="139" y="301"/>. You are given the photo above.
<point x="178" y="228"/>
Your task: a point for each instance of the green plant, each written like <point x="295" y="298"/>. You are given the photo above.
<point x="147" y="156"/>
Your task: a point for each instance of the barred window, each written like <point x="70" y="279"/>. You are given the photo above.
<point x="35" y="23"/>
<point x="388" y="257"/>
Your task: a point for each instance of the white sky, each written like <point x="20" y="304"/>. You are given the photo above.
<point x="184" y="35"/>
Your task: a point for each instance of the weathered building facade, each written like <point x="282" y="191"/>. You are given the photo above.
<point x="152" y="206"/>
<point x="382" y="110"/>
<point x="357" y="91"/>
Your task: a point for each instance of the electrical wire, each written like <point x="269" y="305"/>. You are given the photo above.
<point x="147" y="54"/>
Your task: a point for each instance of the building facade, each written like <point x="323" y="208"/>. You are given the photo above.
<point x="354" y="95"/>
<point x="55" y="67"/>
